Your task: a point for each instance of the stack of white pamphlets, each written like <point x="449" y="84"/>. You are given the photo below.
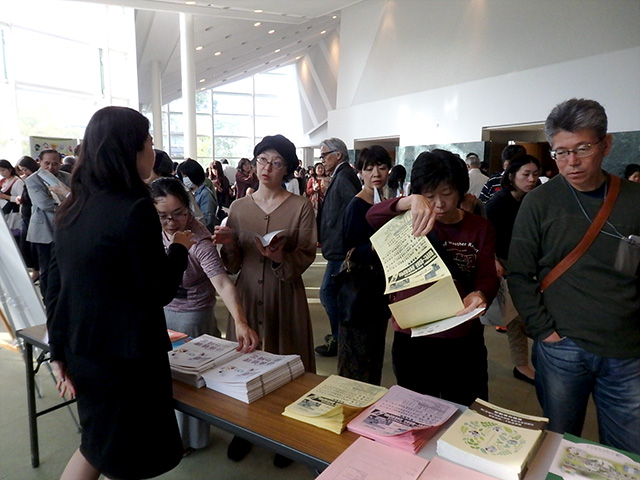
<point x="190" y="359"/>
<point x="253" y="375"/>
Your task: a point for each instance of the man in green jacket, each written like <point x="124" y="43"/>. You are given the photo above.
<point x="586" y="325"/>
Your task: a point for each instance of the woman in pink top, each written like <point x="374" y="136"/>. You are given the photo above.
<point x="191" y="311"/>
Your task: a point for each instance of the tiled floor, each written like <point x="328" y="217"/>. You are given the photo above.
<point x="59" y="437"/>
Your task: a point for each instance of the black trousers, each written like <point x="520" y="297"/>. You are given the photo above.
<point x="453" y="369"/>
<point x="44" y="259"/>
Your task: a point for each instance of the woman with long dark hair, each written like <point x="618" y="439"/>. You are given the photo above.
<point x="520" y="177"/>
<point x="110" y="277"/>
<point x="11" y="186"/>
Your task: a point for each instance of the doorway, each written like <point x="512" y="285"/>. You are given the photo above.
<point x="530" y="136"/>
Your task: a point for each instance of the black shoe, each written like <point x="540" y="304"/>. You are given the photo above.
<point x="328" y="337"/>
<point x="329" y="349"/>
<point x="238" y="449"/>
<point x="281" y="461"/>
<point x="521" y="376"/>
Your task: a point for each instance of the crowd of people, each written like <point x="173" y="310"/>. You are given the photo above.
<point x="128" y="223"/>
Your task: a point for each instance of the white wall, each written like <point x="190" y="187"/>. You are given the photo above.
<point x="438" y="71"/>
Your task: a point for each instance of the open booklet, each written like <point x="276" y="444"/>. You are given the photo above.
<point x="409" y="262"/>
<point x="269" y="238"/>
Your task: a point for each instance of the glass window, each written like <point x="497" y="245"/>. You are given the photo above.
<point x="270" y="126"/>
<point x="232" y="103"/>
<point x="204" y="125"/>
<point x="203" y="102"/>
<point x="241" y="86"/>
<point x="176" y="105"/>
<point x="227" y="147"/>
<point x="37" y="60"/>
<point x="177" y="146"/>
<point x="205" y="149"/>
<point x="176" y="123"/>
<point x="271" y="83"/>
<point x="268" y="105"/>
<point x="233" y="125"/>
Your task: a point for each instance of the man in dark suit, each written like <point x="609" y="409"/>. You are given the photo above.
<point x="343" y="187"/>
<point x="40" y="231"/>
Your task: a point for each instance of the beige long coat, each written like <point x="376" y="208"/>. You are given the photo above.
<point x="273" y="297"/>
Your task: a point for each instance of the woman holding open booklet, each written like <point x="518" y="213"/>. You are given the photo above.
<point x="452" y="364"/>
<point x="270" y="279"/>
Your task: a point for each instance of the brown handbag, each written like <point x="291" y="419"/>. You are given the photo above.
<point x="584" y="244"/>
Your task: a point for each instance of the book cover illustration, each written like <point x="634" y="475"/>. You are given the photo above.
<point x="580" y="459"/>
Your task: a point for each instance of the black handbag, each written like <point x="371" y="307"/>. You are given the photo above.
<point x="360" y="292"/>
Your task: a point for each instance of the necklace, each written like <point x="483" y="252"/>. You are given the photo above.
<point x="616" y="233"/>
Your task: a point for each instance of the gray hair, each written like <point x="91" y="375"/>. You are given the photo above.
<point x="472" y="160"/>
<point x="574" y="115"/>
<point x="337" y="145"/>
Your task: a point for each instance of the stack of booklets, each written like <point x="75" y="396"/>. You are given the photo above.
<point x="334" y="402"/>
<point x="253" y="375"/>
<point x="493" y="440"/>
<point x="403" y="419"/>
<point x="191" y="359"/>
<point x="580" y="458"/>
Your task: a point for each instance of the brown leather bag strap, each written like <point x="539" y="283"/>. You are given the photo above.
<point x="584" y="244"/>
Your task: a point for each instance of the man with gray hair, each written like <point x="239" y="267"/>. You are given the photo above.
<point x="477" y="179"/>
<point x="586" y="321"/>
<point x="343" y="187"/>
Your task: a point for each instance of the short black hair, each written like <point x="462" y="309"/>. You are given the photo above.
<point x="631" y="169"/>
<point x="373" y="155"/>
<point x="163" y="166"/>
<point x="512" y="151"/>
<point x="163" y="186"/>
<point x="192" y="169"/>
<point x="45" y="152"/>
<point x="439" y="166"/>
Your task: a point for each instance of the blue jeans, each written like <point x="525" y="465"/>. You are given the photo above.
<point x="329" y="295"/>
<point x="565" y="377"/>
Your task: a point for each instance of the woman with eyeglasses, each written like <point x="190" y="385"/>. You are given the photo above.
<point x="191" y="311"/>
<point x="270" y="279"/>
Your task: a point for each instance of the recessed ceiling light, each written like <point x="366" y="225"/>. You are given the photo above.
<point x="334" y="17"/>
<point x="277" y="50"/>
<point x="257" y="24"/>
<point x="271" y="31"/>
<point x="218" y="54"/>
<point x="258" y="11"/>
<point x="202" y="80"/>
<point x="203" y="88"/>
<point x="323" y="32"/>
<point x="199" y="47"/>
<point x="191" y="2"/>
<point x="298" y="57"/>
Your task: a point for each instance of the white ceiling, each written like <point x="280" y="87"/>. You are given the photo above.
<point x="226" y="26"/>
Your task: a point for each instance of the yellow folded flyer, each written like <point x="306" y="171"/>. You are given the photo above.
<point x="334" y="402"/>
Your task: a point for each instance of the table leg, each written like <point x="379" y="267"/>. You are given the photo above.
<point x="31" y="405"/>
